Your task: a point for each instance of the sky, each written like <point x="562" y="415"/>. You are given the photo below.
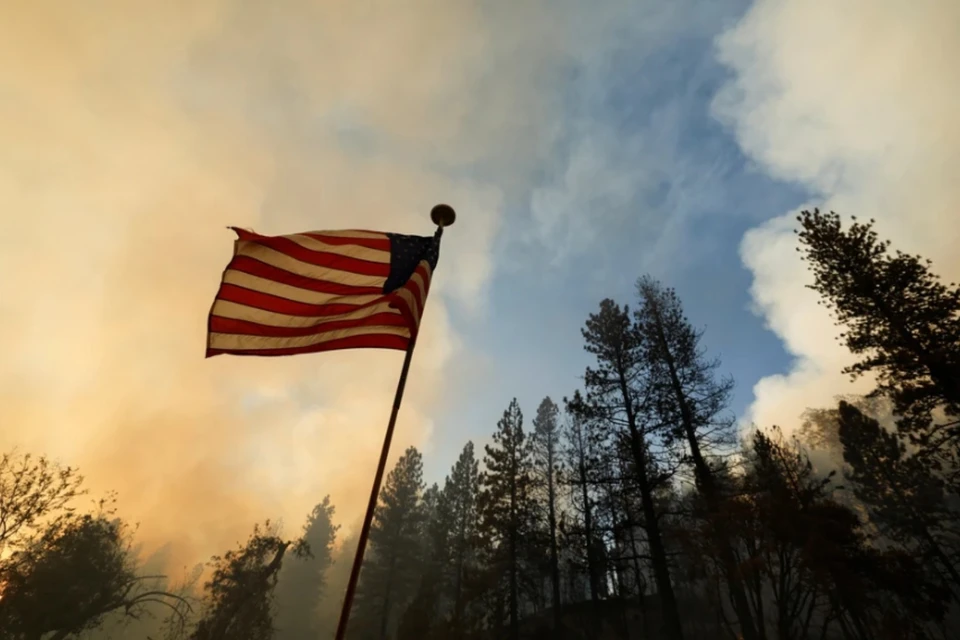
<point x="582" y="144"/>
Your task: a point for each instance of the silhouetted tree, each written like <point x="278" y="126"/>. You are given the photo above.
<point x="784" y="498"/>
<point x="460" y="492"/>
<point x="897" y="316"/>
<point x="425" y="612"/>
<point x="302" y="580"/>
<point x="616" y="399"/>
<point x="906" y="501"/>
<point x="69" y="578"/>
<point x="581" y="462"/>
<point x="392" y="572"/>
<point x="34" y="493"/>
<point x="239" y="594"/>
<point x="545" y="444"/>
<point x="328" y="611"/>
<point x="506" y="505"/>
<point x="690" y="401"/>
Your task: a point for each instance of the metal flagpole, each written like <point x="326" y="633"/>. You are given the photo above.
<point x="443" y="215"/>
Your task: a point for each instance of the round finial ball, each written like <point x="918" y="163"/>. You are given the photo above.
<point x="443" y="215"/>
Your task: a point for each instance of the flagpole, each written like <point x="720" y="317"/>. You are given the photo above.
<point x="443" y="216"/>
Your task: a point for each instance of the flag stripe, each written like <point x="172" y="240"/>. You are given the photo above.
<point x="342" y="261"/>
<point x="335" y="245"/>
<point x="408" y="307"/>
<point x="369" y="239"/>
<point x="221" y="324"/>
<point x="419" y="282"/>
<point x="283" y="261"/>
<point x="296" y="294"/>
<point x="233" y="342"/>
<point x="350" y="235"/>
<point x="413" y="295"/>
<point x="263" y="270"/>
<point x="235" y="311"/>
<point x="276" y="304"/>
<point x="399" y="343"/>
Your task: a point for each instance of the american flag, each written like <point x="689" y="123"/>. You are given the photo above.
<point x="321" y="291"/>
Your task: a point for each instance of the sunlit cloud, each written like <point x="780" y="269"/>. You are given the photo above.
<point x="858" y="103"/>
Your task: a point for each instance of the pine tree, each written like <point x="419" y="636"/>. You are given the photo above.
<point x="898" y="317"/>
<point x="905" y="499"/>
<point x="784" y="499"/>
<point x="580" y="461"/>
<point x="506" y="504"/>
<point x="690" y="401"/>
<point x="460" y="493"/>
<point x="302" y="580"/>
<point x="615" y="392"/>
<point x="545" y="444"/>
<point x="392" y="572"/>
<point x="423" y="614"/>
<point x="239" y="594"/>
<point x="683" y="386"/>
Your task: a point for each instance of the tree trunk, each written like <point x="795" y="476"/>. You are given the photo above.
<point x="554" y="554"/>
<point x="385" y="615"/>
<point x="661" y="569"/>
<point x="588" y="527"/>
<point x="514" y="589"/>
<point x="705" y="479"/>
<point x="458" y="585"/>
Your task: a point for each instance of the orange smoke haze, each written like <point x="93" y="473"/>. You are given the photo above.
<point x="132" y="135"/>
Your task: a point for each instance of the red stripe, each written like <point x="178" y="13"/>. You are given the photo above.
<point x="381" y="244"/>
<point x="262" y="270"/>
<point x="375" y="341"/>
<point x="290" y="248"/>
<point x="244" y="327"/>
<point x="407" y="316"/>
<point x="276" y="304"/>
<point x="411" y="286"/>
<point x="414" y="311"/>
<point x="415" y="290"/>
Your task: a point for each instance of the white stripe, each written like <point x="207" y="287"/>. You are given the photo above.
<point x="353" y="233"/>
<point x="349" y="250"/>
<point x="235" y="311"/>
<point x="417" y="279"/>
<point x="264" y="285"/>
<point x="233" y="342"/>
<point x="406" y="296"/>
<point x="285" y="262"/>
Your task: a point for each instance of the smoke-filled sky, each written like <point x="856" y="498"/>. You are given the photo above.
<point x="582" y="144"/>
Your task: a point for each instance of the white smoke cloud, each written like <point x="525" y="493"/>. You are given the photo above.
<point x="856" y="101"/>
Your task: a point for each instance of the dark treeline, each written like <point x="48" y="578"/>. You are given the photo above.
<point x="632" y="508"/>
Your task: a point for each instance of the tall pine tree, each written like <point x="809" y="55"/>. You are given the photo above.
<point x="690" y="401"/>
<point x="906" y="501"/>
<point x="581" y="462"/>
<point x="545" y="443"/>
<point x="615" y="395"/>
<point x="391" y="573"/>
<point x="422" y="617"/>
<point x="506" y="504"/>
<point x="901" y="321"/>
<point x="460" y="493"/>
<point x="301" y="581"/>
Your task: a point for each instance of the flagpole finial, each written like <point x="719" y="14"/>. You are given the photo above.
<point x="443" y="215"/>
